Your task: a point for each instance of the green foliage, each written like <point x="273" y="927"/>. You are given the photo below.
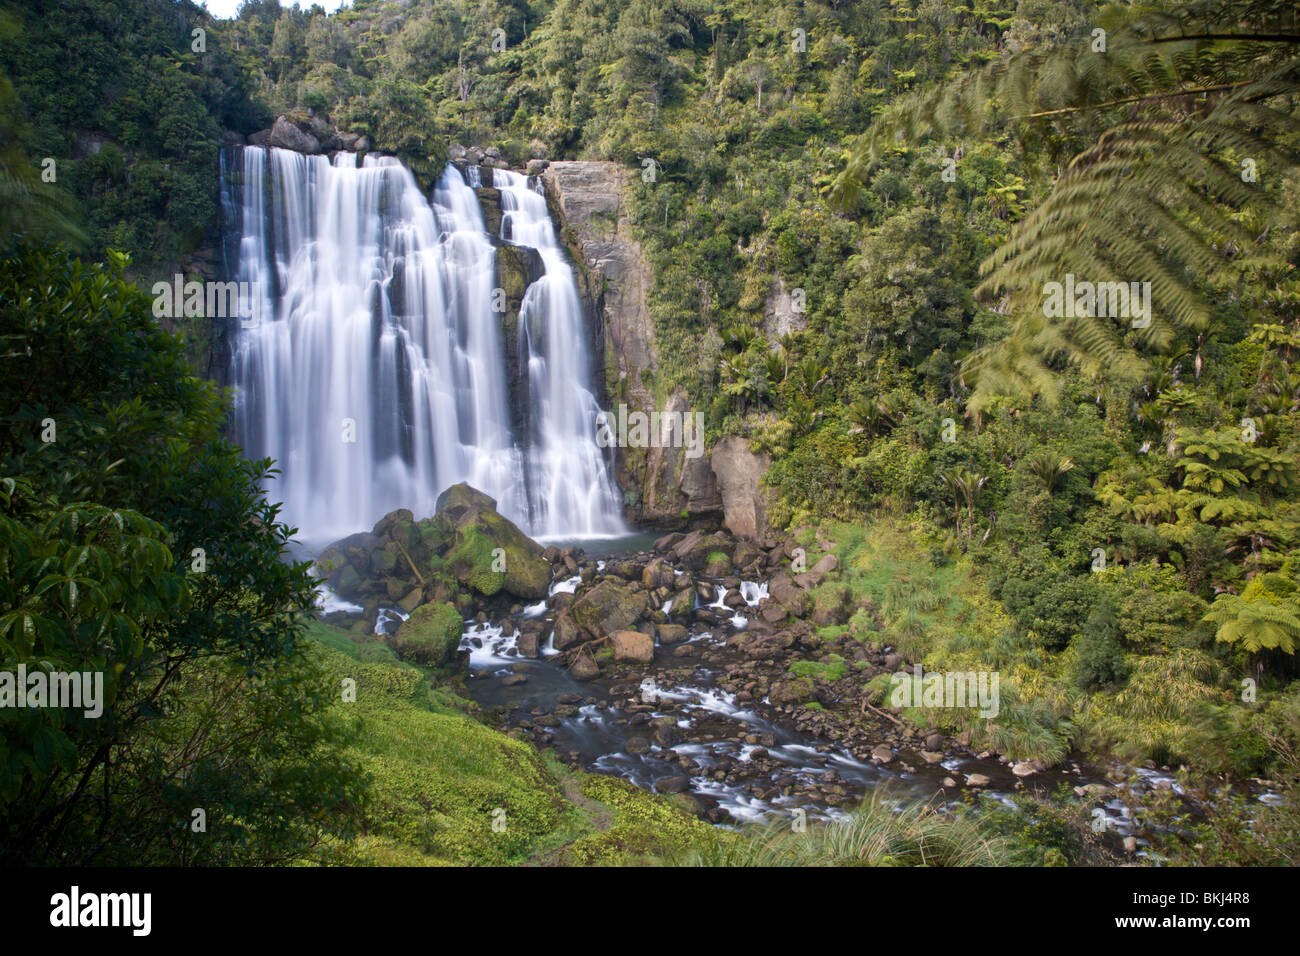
<point x="1160" y="192"/>
<point x="880" y="832"/>
<point x="139" y="546"/>
<point x="132" y="121"/>
<point x="1265" y="616"/>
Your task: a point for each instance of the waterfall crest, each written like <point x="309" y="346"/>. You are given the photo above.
<point x="376" y="376"/>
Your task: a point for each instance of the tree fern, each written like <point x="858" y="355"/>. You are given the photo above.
<point x="1178" y="99"/>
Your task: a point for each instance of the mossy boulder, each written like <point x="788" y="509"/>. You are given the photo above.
<point x="393" y="517"/>
<point x="428" y="637"/>
<point x="608" y="607"/>
<point x="453" y="503"/>
<point x="436" y="533"/>
<point x="490" y="553"/>
<point x="346" y="564"/>
<point x="383" y="561"/>
<point x="831" y="604"/>
<point x="796" y="691"/>
<point x="718" y="566"/>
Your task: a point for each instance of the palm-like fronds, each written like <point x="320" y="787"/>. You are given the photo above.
<point x="1182" y="97"/>
<point x="1263" y="617"/>
<point x="1049" y="467"/>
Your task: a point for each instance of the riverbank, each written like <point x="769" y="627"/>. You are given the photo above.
<point x="756" y="696"/>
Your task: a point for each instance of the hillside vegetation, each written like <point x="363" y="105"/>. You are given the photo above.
<point x="1106" y="511"/>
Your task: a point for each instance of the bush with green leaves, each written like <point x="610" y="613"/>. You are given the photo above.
<point x="138" y="544"/>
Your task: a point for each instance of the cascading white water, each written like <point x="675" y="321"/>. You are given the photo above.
<point x="376" y="376"/>
<point x="567" y="472"/>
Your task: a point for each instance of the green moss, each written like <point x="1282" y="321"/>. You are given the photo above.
<point x="472" y="560"/>
<point x="831" y="667"/>
<point x="646" y="827"/>
<point x="429" y="636"/>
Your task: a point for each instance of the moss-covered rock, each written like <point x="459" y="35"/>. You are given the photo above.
<point x="831" y="604"/>
<point x="429" y="636"/>
<point x="383" y="561"/>
<point x="718" y="566"/>
<point x="608" y="607"/>
<point x="476" y="561"/>
<point x="460" y="498"/>
<point x="490" y="553"/>
<point x="795" y="691"/>
<point x="436" y="534"/>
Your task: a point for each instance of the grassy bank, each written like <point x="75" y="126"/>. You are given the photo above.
<point x="445" y="789"/>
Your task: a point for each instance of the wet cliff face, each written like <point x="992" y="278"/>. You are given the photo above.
<point x="664" y="487"/>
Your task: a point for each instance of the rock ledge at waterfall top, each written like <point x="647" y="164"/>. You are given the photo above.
<point x="303" y="133"/>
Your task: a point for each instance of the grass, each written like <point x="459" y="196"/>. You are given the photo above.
<point x="445" y="789"/>
<point x="880" y="832"/>
<point x="832" y="667"/>
<point x="941" y="615"/>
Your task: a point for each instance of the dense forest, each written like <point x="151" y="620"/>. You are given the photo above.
<point x="1106" y="512"/>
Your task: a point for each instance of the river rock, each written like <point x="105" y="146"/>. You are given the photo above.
<point x="567" y="632"/>
<point x="657" y="575"/>
<point x="608" y="607"/>
<point x="528" y="644"/>
<point x="672" y="633"/>
<point x="632" y="646"/>
<point x="792" y="597"/>
<point x="673" y="784"/>
<point x="583" y="666"/>
<point x="977" y="780"/>
<point x="429" y="636"/>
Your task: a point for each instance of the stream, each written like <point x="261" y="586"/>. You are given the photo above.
<point x="675" y="730"/>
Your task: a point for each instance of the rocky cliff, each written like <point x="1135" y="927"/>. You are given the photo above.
<point x="664" y="486"/>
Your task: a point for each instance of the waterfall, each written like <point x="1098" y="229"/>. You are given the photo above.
<point x="376" y="376"/>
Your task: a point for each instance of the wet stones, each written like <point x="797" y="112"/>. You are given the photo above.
<point x="672" y="633"/>
<point x="607" y="608"/>
<point x="632" y="646"/>
<point x="583" y="665"/>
